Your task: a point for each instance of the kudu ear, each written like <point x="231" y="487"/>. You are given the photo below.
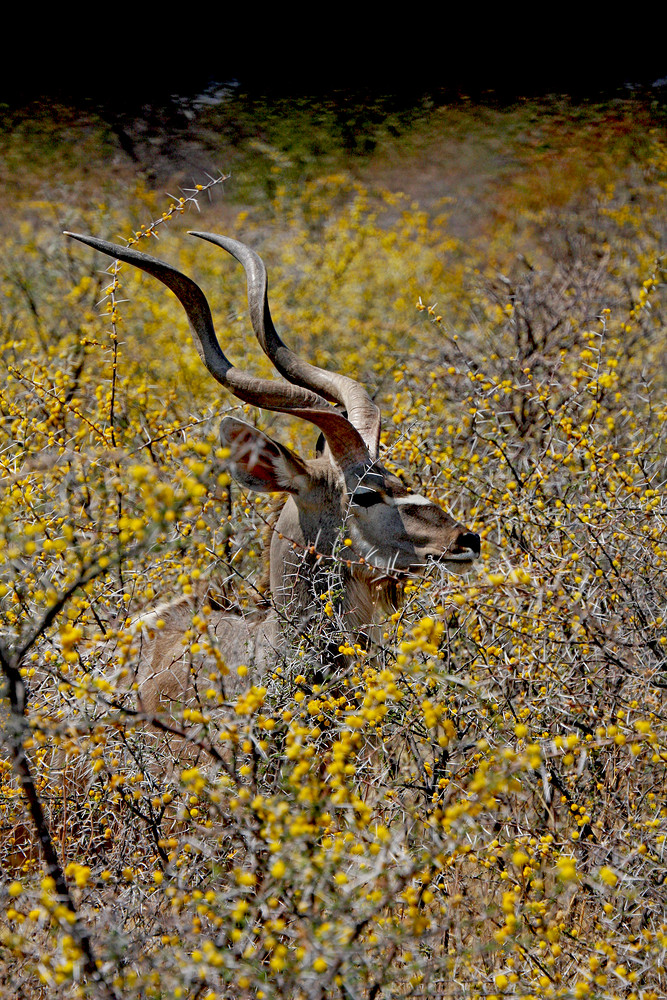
<point x="258" y="463"/>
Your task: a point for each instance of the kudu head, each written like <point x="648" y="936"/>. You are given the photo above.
<point x="346" y="492"/>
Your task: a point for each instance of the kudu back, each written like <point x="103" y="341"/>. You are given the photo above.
<point x="345" y="493"/>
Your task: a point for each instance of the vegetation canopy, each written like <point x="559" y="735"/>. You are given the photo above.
<point x="472" y="802"/>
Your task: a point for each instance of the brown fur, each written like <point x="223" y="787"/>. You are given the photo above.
<point x="276" y="505"/>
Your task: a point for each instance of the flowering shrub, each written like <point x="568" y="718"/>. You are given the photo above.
<point x="476" y="804"/>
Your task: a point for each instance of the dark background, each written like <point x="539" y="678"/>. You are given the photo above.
<point x="446" y="60"/>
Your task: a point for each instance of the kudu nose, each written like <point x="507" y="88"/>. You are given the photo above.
<point x="467" y="540"/>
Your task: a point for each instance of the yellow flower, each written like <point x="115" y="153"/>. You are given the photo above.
<point x="567" y="869"/>
<point x="608" y="875"/>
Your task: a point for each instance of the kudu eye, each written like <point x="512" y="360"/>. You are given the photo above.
<point x="468" y="540"/>
<point x="366" y="498"/>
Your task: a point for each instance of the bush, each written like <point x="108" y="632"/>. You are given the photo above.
<point x="477" y="806"/>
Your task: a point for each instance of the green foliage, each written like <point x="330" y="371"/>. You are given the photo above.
<point x="478" y="806"/>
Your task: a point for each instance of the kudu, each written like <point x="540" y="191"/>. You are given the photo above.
<point x="344" y="492"/>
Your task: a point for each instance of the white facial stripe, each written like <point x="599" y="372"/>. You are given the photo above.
<point x="413" y="498"/>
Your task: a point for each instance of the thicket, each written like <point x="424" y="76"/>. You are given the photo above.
<point x="477" y="808"/>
